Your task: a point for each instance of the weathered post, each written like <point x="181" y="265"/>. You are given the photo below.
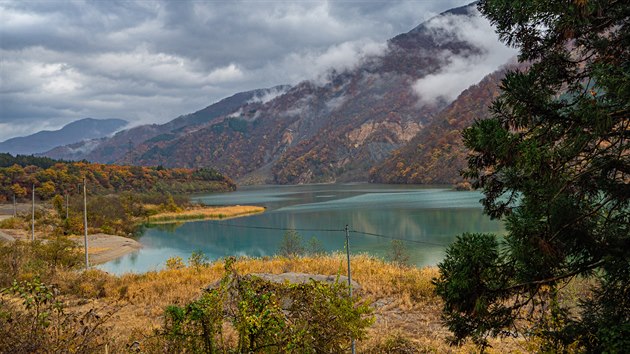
<point x="85" y="226"/>
<point x="33" y="216"/>
<point x="349" y="275"/>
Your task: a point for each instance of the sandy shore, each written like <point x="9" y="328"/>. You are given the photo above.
<point x="103" y="248"/>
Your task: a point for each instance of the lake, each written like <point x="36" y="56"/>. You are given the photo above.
<point x="428" y="218"/>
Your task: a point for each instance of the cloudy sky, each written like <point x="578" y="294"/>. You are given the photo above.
<point x="151" y="61"/>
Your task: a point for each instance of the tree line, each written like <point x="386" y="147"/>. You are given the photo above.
<point x="51" y="177"/>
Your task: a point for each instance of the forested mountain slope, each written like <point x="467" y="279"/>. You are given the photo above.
<point x="437" y="154"/>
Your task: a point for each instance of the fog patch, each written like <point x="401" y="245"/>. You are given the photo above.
<point x="335" y="102"/>
<point x="460" y="71"/>
<point x="269" y="94"/>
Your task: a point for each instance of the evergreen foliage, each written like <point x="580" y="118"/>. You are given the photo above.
<point x="553" y="161"/>
<point x="8" y="160"/>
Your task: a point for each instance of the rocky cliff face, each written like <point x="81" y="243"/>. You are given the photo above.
<point x="327" y="131"/>
<point x="437" y="154"/>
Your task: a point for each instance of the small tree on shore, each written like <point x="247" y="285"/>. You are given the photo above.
<point x="292" y="245"/>
<point x="398" y="254"/>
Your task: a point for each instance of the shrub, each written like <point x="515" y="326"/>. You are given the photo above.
<point x="291" y="245"/>
<point x="315" y="247"/>
<point x="395" y="343"/>
<point x="198" y="260"/>
<point x="175" y="263"/>
<point x="197" y="326"/>
<point x="268" y="317"/>
<point x="11" y="223"/>
<point x="38" y="323"/>
<point x="27" y="260"/>
<point x="90" y="284"/>
<point x="399" y="255"/>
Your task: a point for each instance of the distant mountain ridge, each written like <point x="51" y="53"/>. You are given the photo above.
<point x="113" y="149"/>
<point x="82" y="129"/>
<point x="338" y="130"/>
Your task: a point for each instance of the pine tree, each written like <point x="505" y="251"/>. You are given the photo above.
<point x="553" y="161"/>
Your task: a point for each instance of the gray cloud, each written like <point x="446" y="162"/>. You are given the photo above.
<point x="150" y="61"/>
<point x="461" y="71"/>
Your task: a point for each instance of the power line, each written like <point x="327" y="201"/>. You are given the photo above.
<point x="276" y="228"/>
<point x="326" y="230"/>
<point x="397" y="238"/>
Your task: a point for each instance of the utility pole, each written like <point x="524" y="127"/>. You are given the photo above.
<point x="14" y="206"/>
<point x="33" y="216"/>
<point x="67" y="205"/>
<point x="85" y="226"/>
<point x="349" y="275"/>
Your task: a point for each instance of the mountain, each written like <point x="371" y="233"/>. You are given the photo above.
<point x="113" y="149"/>
<point x="83" y="129"/>
<point x="437" y="154"/>
<point x="333" y="129"/>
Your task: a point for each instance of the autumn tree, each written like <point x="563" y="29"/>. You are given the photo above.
<point x="553" y="161"/>
<point x="18" y="191"/>
<point x="59" y="177"/>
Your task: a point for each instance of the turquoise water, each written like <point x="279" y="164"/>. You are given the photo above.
<point x="429" y="217"/>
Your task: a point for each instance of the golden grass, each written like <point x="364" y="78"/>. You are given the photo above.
<point x="97" y="250"/>
<point x="405" y="306"/>
<point x="206" y="213"/>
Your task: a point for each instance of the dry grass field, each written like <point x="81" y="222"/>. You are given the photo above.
<point x="407" y="313"/>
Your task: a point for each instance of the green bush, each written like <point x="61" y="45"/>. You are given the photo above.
<point x="268" y="317"/>
<point x="175" y="263"/>
<point x="11" y="223"/>
<point x="198" y="260"/>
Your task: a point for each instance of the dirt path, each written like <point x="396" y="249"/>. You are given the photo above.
<point x="7" y="208"/>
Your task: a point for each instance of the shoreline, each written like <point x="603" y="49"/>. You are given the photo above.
<point x="103" y="248"/>
<point x="205" y="213"/>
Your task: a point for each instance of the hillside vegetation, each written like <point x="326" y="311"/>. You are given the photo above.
<point x="51" y="177"/>
<point x="437" y="154"/>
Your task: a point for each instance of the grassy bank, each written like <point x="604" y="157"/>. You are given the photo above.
<point x="205" y="213"/>
<point x="407" y="313"/>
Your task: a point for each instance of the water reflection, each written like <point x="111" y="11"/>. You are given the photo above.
<point x="419" y="214"/>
